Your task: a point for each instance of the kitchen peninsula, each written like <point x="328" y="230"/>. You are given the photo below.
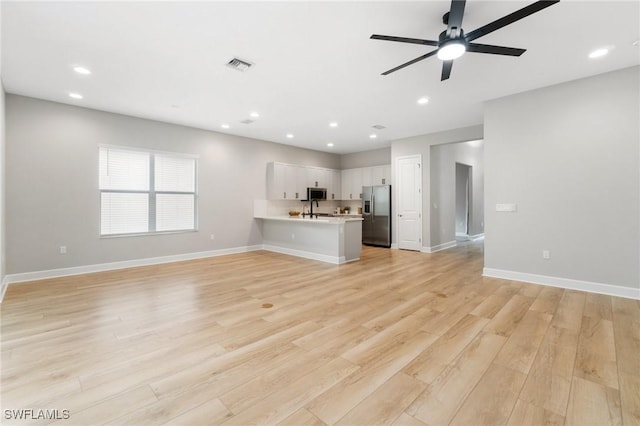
<point x="329" y="239"/>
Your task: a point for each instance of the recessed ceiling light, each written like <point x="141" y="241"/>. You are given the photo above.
<point x="373" y="136"/>
<point x="333" y="124"/>
<point x="329" y="144"/>
<point x="289" y="135"/>
<point x="254" y="114"/>
<point x="423" y="101"/>
<point x="75" y="95"/>
<point x="82" y="70"/>
<point x="598" y="53"/>
<point x="225" y="126"/>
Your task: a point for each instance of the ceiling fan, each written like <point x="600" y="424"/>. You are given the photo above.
<point x="453" y="42"/>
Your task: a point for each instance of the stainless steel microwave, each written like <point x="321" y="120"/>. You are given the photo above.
<point x="316" y="194"/>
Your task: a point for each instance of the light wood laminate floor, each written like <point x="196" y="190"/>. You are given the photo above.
<point x="400" y="338"/>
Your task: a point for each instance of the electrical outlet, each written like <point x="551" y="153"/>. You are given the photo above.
<point x="213" y="237"/>
<point x="546" y="254"/>
<point x="293" y="236"/>
<point x="63" y="249"/>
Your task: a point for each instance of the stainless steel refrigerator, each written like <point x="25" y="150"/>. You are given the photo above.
<point x="376" y="214"/>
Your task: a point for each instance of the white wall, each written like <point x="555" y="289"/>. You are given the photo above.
<point x="3" y="232"/>
<point x="2" y="170"/>
<point x="443" y="189"/>
<point x="52" y="185"/>
<point x="375" y="157"/>
<point x="422" y="145"/>
<point x="568" y="156"/>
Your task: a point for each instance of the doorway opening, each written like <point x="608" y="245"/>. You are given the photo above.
<point x="464" y="200"/>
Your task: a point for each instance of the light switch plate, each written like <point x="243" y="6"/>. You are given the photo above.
<point x="506" y="207"/>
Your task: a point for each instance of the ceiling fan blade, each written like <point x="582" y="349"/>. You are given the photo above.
<point x="494" y="50"/>
<point x="455" y="16"/>
<point x="446" y="70"/>
<point x="413" y="61"/>
<point x="510" y="19"/>
<point x="404" y="40"/>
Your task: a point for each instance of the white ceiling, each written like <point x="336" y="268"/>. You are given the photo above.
<point x="314" y="62"/>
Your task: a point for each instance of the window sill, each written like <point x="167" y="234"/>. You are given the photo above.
<point x="147" y="234"/>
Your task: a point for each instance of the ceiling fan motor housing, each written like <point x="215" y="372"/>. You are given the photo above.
<point x="459" y="36"/>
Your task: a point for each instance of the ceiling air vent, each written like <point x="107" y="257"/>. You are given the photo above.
<point x="379" y="127"/>
<point x="239" y="64"/>
<point x="247" y="121"/>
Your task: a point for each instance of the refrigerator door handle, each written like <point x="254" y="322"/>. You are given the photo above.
<point x="373" y="206"/>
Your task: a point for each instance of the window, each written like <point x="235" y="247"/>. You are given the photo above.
<point x="146" y="192"/>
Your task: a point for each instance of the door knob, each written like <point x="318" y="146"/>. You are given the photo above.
<point x="400" y="215"/>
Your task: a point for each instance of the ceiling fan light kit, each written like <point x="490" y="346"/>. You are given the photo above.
<point x="451" y="50"/>
<point x="453" y="43"/>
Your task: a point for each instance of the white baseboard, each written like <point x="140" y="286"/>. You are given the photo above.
<point x="86" y="269"/>
<point x="394" y="246"/>
<point x="591" y="287"/>
<point x="338" y="260"/>
<point x="439" y="247"/>
<point x="476" y="237"/>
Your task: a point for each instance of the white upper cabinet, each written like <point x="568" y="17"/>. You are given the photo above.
<point x="335" y="188"/>
<point x="367" y="176"/>
<point x="302" y="182"/>
<point x="275" y="181"/>
<point x="387" y="175"/>
<point x="290" y="181"/>
<point x="346" y="184"/>
<point x="284" y="182"/>
<point x="314" y="177"/>
<point x="381" y="175"/>
<point x="319" y="177"/>
<point x="351" y="184"/>
<point x="354" y="179"/>
<point x="356" y="184"/>
<point x="326" y="177"/>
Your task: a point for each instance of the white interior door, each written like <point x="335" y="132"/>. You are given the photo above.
<point x="409" y="190"/>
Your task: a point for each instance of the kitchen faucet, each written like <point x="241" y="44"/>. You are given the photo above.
<point x="311" y="212"/>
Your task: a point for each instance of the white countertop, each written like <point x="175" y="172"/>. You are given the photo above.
<point x="320" y="220"/>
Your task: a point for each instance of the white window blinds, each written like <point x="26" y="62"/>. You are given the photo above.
<point x="124" y="170"/>
<point x="175" y="174"/>
<point x="174" y="211"/>
<point x="124" y="213"/>
<point x="146" y="192"/>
